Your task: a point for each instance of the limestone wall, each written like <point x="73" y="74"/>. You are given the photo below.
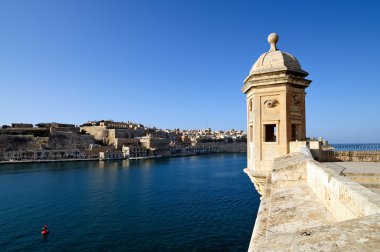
<point x="21" y="143"/>
<point x="65" y="129"/>
<point x="119" y="142"/>
<point x="344" y="198"/>
<point x="37" y="132"/>
<point x="303" y="198"/>
<point x="69" y="141"/>
<point x="99" y="132"/>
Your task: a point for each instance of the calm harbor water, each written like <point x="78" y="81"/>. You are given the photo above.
<point x="199" y="203"/>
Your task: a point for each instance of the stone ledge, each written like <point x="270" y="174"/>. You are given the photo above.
<point x="345" y="198"/>
<point x="361" y="234"/>
<point x="306" y="206"/>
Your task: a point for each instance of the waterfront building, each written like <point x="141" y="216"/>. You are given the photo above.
<point x="134" y="151"/>
<point x="31" y="155"/>
<point x="156" y="146"/>
<point x="120" y="142"/>
<point x="63" y="141"/>
<point x="110" y="155"/>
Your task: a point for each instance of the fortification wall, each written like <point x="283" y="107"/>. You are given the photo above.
<point x="37" y="132"/>
<point x="65" y="129"/>
<point x="21" y="143"/>
<point x="302" y="198"/>
<point x="69" y="141"/>
<point x="98" y="132"/>
<point x="344" y="198"/>
<point x="350" y="156"/>
<point x="119" y="142"/>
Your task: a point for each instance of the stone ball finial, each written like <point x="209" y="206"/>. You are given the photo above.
<point x="273" y="39"/>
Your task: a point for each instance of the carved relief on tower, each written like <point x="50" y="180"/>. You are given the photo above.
<point x="270" y="107"/>
<point x="270" y="103"/>
<point x="296" y="102"/>
<point x="250" y="109"/>
<point x="296" y="118"/>
<point x="297" y="108"/>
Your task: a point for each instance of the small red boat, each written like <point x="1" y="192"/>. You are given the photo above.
<point x="45" y="230"/>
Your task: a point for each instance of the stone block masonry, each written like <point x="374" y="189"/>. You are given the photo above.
<point x="307" y="206"/>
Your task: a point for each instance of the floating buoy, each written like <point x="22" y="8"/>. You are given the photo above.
<point x="45" y="230"/>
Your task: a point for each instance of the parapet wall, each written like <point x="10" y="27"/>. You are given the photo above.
<point x="350" y="156"/>
<point x="330" y="155"/>
<point x="303" y="198"/>
<point x="344" y="198"/>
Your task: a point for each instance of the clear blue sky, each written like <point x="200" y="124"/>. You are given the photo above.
<point x="182" y="63"/>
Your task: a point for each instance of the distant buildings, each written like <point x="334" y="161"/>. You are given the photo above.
<point x="107" y="139"/>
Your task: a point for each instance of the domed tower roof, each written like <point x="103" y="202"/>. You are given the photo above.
<point x="275" y="60"/>
<point x="275" y="68"/>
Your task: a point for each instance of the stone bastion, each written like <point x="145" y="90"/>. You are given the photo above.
<point x="307" y="206"/>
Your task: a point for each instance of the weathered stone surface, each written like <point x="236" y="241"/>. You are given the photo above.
<point x="275" y="90"/>
<point x="361" y="234"/>
<point x="69" y="141"/>
<point x="21" y="143"/>
<point x="307" y="206"/>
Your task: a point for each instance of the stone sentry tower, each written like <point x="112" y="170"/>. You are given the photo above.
<point x="275" y="89"/>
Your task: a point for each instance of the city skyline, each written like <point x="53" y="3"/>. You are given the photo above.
<point x="172" y="64"/>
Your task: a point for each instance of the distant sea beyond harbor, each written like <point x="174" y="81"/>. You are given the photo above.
<point x="196" y="203"/>
<point x="357" y="147"/>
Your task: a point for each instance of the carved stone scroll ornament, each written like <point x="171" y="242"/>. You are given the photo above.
<point x="271" y="103"/>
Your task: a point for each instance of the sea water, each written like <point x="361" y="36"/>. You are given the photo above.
<point x="197" y="203"/>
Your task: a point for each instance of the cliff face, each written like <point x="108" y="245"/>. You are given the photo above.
<point x="69" y="141"/>
<point x="22" y="143"/>
<point x="56" y="141"/>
